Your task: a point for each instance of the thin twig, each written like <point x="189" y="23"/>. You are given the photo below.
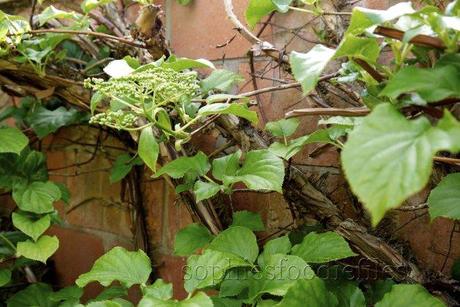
<point x="422" y="40"/>
<point x="329" y="112"/>
<point x="90" y="33"/>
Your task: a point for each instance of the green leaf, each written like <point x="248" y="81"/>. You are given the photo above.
<point x="237" y="109"/>
<point x="198" y="300"/>
<point x="35" y="295"/>
<point x="278" y="275"/>
<point x="44" y="121"/>
<point x="40" y="250"/>
<point x="122" y="166"/>
<point x="5" y="276"/>
<point x="307" y="67"/>
<point x="444" y="200"/>
<point x="89" y="5"/>
<point x="432" y="84"/>
<point x="347" y="293"/>
<point x="68" y="293"/>
<point x="32" y="228"/>
<point x="148" y="148"/>
<point x="281" y="245"/>
<point x="283" y="127"/>
<point x="204" y="190"/>
<point x="220" y="79"/>
<point x="209" y="268"/>
<point x="282" y="6"/>
<point x="363" y="48"/>
<point x="378" y="289"/>
<point x="309" y="292"/>
<point x="37" y="197"/>
<point x="251" y="220"/>
<point x="322" y="247"/>
<point x="159" y="289"/>
<point x="185" y="63"/>
<point x="12" y="140"/>
<point x="409" y="295"/>
<point x="257" y="9"/>
<point x="96" y="99"/>
<point x="294" y="146"/>
<point x="184" y="2"/>
<point x="53" y="13"/>
<point x="197" y="165"/>
<point x="226" y="166"/>
<point x="191" y="238"/>
<point x="261" y="170"/>
<point x="127" y="267"/>
<point x="389" y="158"/>
<point x="363" y="18"/>
<point x="235" y="282"/>
<point x="110" y="293"/>
<point x="237" y="240"/>
<point x="227" y="302"/>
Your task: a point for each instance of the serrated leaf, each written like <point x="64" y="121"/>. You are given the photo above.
<point x="96" y="99"/>
<point x="309" y="292"/>
<point x="184" y="63"/>
<point x="127" y="267"/>
<point x="32" y="228"/>
<point x="197" y="165"/>
<point x="251" y="220"/>
<point x="159" y="289"/>
<point x="148" y="148"/>
<point x="296" y="145"/>
<point x="322" y="247"/>
<point x="226" y="166"/>
<point x="53" y="13"/>
<point x="282" y="6"/>
<point x="307" y="67"/>
<point x="444" y="200"/>
<point x="209" y="268"/>
<point x="5" y="276"/>
<point x="237" y="240"/>
<point x="257" y="9"/>
<point x="220" y="79"/>
<point x="36" y="295"/>
<point x="283" y="127"/>
<point x="432" y="84"/>
<point x="347" y="293"/>
<point x="281" y="245"/>
<point x="237" y="109"/>
<point x="204" y="190"/>
<point x="40" y="250"/>
<point x="191" y="238"/>
<point x="389" y="158"/>
<point x="279" y="273"/>
<point x="110" y="293"/>
<point x="235" y="282"/>
<point x="89" y="5"/>
<point x="200" y="299"/>
<point x="37" y="197"/>
<point x="261" y="170"/>
<point x="409" y="295"/>
<point x="44" y="121"/>
<point x="122" y="166"/>
<point x="12" y="140"/>
<point x="363" y="48"/>
<point x="68" y="293"/>
<point x="363" y="18"/>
